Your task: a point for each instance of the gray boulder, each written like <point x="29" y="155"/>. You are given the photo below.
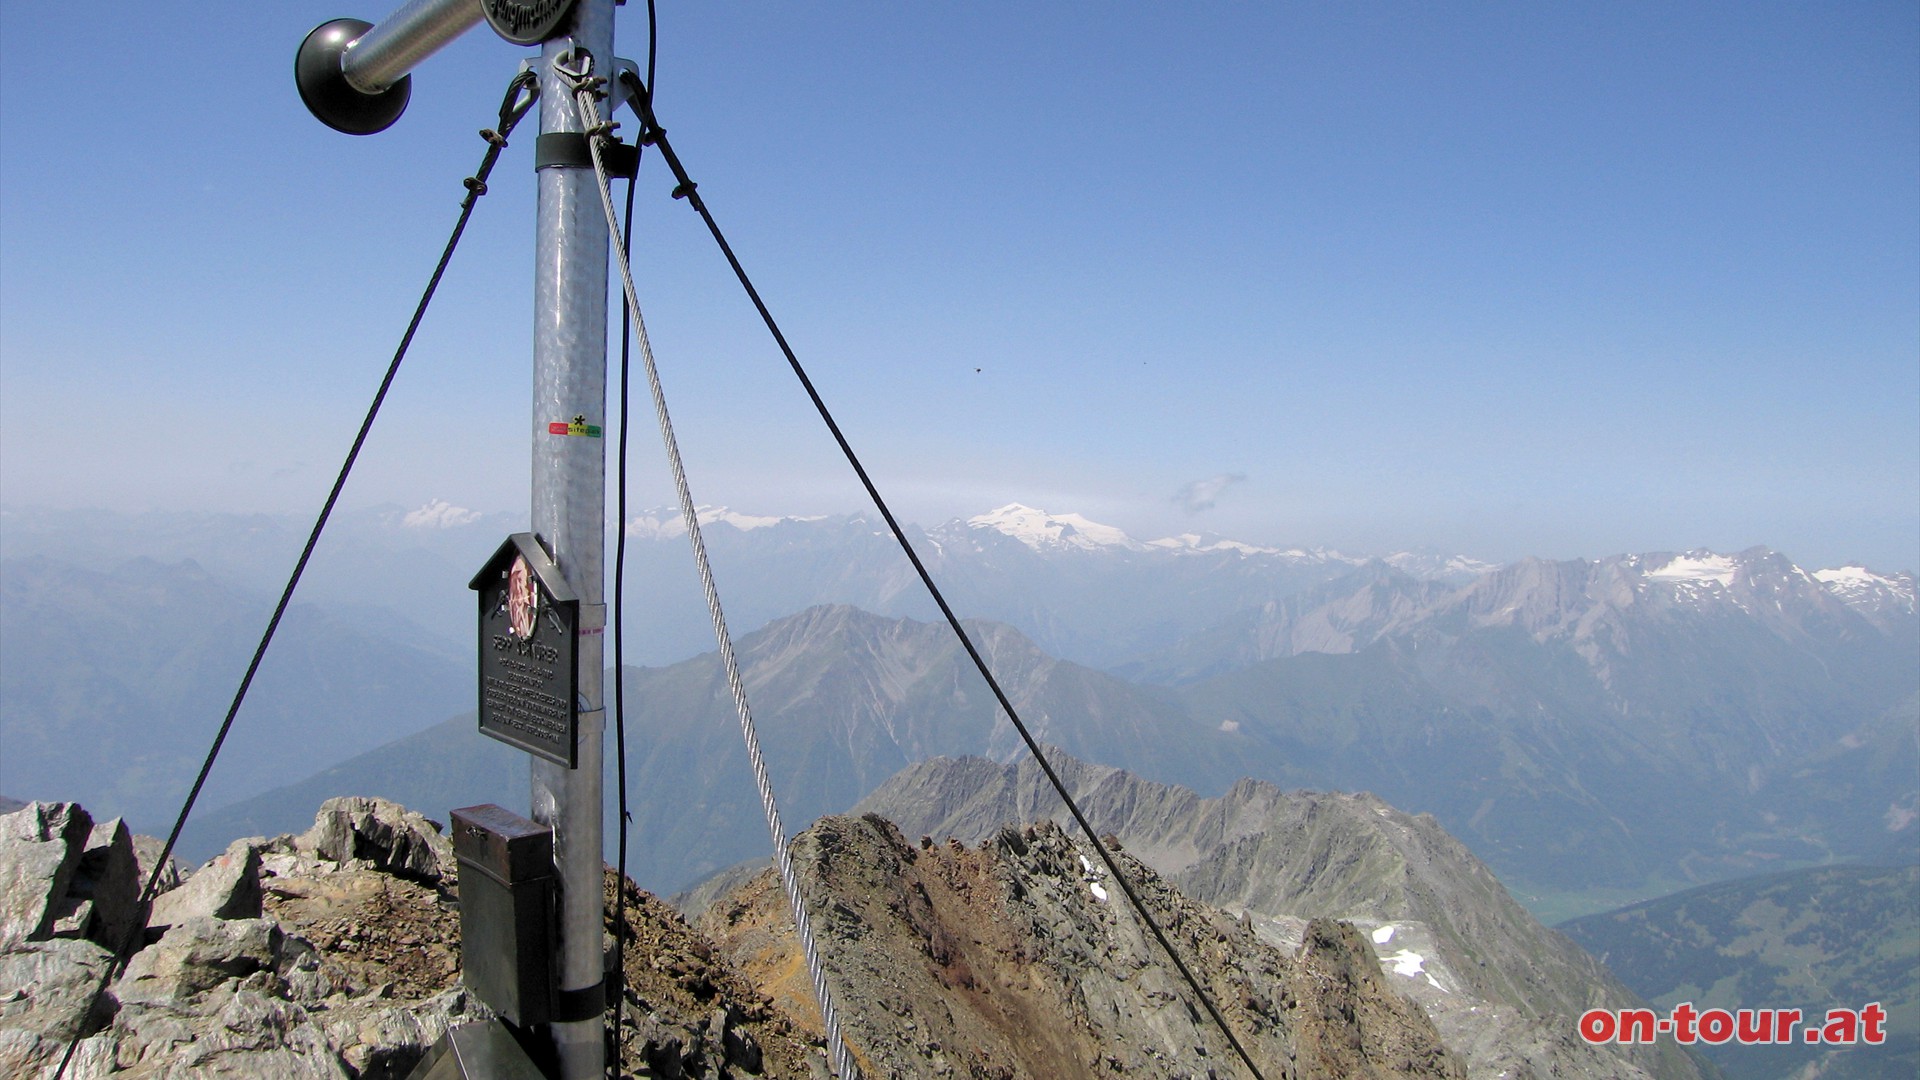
<point x="376" y="1038"/>
<point x="392" y="838"/>
<point x="146" y="854"/>
<point x="40" y="848"/>
<point x="105" y="885"/>
<point x="222" y="989"/>
<point x="46" y="997"/>
<point x="252" y="1035"/>
<point x="200" y="953"/>
<point x="227" y="887"/>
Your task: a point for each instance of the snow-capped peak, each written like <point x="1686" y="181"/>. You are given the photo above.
<point x="1199" y="543"/>
<point x="439" y="514"/>
<point x="1860" y="587"/>
<point x="1430" y="566"/>
<point x="667" y="522"/>
<point x="1853" y="577"/>
<point x="1040" y="530"/>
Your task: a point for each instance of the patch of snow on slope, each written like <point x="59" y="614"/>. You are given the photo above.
<point x="720" y="515"/>
<point x="1092" y="878"/>
<point x="1411" y="964"/>
<point x="1383" y="934"/>
<point x="1040" y="530"/>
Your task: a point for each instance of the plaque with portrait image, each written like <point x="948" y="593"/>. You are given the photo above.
<point x="529" y="651"/>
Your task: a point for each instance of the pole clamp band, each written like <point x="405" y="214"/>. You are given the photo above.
<point x="568" y="150"/>
<point x="562" y="150"/>
<point x="586" y="1003"/>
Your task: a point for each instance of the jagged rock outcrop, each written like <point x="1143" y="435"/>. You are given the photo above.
<point x="294" y="957"/>
<point x="1018" y="958"/>
<point x="42" y="892"/>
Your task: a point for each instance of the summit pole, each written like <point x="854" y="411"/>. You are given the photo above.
<point x="355" y="77"/>
<point x="569" y="510"/>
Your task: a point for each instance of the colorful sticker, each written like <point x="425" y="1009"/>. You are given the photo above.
<point x="577" y="426"/>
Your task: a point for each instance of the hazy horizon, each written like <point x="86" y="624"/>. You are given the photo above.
<point x="438" y="514"/>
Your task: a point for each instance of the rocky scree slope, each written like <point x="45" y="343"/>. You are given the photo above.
<point x="1020" y="958"/>
<point x="1503" y="990"/>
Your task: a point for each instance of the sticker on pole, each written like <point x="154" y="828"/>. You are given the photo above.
<point x="529" y="651"/>
<point x="577" y="426"/>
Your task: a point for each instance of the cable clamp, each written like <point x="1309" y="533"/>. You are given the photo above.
<point x="564" y="65"/>
<point x="626" y="82"/>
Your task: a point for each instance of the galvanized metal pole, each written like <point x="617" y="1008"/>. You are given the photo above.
<point x="388" y="51"/>
<point x="569" y="510"/>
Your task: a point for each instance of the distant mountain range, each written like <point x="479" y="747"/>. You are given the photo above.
<point x="1643" y="721"/>
<point x="113" y="685"/>
<point x="1083" y="591"/>
<point x="1513" y="743"/>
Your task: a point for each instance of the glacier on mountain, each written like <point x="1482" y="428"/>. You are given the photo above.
<point x="1040" y="530"/>
<point x="439" y="514"/>
<point x="1697" y="566"/>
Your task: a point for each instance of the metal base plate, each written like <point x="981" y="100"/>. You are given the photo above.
<point x="482" y="1051"/>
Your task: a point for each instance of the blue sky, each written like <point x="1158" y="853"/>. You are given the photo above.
<point x="1502" y="279"/>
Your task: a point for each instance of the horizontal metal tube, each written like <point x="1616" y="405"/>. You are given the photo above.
<point x="397" y="44"/>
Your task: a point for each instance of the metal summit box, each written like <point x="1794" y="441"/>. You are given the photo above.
<point x="529" y="651"/>
<point x="506" y="911"/>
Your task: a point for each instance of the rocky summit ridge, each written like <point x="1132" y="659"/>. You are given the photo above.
<point x="1018" y="957"/>
<point x="335" y="954"/>
<point x="1502" y="990"/>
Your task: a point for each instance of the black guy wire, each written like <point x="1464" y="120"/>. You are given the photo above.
<point x="619" y="664"/>
<point x="653" y="42"/>
<point x="520" y="95"/>
<point x="653" y="134"/>
<point x="619" y="609"/>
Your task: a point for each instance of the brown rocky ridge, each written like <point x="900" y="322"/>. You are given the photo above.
<point x="1020" y="958"/>
<point x="1503" y="991"/>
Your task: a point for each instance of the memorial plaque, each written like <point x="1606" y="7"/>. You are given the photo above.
<point x="529" y="651"/>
